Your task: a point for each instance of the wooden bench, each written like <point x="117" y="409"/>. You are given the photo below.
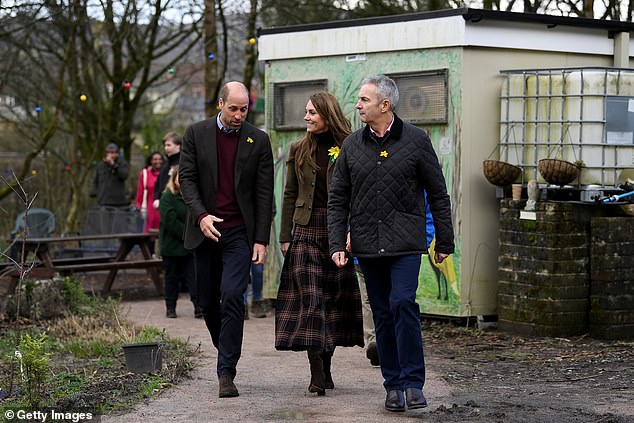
<point x="76" y="266"/>
<point x="107" y="265"/>
<point x="49" y="266"/>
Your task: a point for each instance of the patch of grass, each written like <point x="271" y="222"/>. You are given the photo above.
<point x="103" y="348"/>
<point x="107" y="362"/>
<point x="7" y="343"/>
<point x="73" y="293"/>
<point x="67" y="384"/>
<point x="151" y="385"/>
<point x="81" y="348"/>
<point x="77" y="347"/>
<point x="84" y="343"/>
<point x="150" y="334"/>
<point x="513" y="355"/>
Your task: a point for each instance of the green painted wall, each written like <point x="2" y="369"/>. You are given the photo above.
<point x="343" y="81"/>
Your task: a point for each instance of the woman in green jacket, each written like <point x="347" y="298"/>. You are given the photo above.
<point x="177" y="260"/>
<point x="318" y="304"/>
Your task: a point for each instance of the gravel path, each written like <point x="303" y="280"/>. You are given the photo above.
<point x="272" y="384"/>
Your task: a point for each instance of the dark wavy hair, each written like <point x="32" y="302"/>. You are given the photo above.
<point x="148" y="159"/>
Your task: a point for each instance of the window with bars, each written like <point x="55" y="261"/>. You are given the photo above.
<point x="290" y="100"/>
<point x="423" y="96"/>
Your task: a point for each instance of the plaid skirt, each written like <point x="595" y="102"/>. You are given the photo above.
<point x="318" y="304"/>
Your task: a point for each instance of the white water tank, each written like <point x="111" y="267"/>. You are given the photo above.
<point x="582" y="114"/>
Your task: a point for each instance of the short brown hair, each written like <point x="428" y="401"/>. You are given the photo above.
<point x="174" y="137"/>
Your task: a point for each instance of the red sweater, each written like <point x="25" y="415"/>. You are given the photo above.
<point x="226" y="204"/>
<point x="153" y="216"/>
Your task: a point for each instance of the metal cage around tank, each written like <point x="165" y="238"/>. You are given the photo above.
<point x="582" y="115"/>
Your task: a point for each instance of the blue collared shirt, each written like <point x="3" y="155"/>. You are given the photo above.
<point x="222" y="127"/>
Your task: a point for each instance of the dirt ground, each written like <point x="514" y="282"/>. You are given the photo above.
<point x="472" y="376"/>
<point x="496" y="377"/>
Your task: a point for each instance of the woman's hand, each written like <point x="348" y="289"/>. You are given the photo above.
<point x="284" y="247"/>
<point x="340" y="258"/>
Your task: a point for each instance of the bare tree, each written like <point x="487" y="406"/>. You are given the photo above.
<point x="104" y="56"/>
<point x="250" y="50"/>
<point x="211" y="49"/>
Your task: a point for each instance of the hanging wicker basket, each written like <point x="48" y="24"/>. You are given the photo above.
<point x="500" y="173"/>
<point x="558" y="172"/>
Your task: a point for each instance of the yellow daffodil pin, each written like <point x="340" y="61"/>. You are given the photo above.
<point x="250" y="140"/>
<point x="333" y="152"/>
<point x="383" y="153"/>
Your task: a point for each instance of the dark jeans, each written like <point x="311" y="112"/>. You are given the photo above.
<point x="257" y="283"/>
<point x="391" y="283"/>
<point x="178" y="270"/>
<point x="222" y="276"/>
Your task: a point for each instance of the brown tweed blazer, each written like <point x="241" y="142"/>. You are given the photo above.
<point x="298" y="197"/>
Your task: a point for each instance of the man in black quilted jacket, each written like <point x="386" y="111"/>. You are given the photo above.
<point x="377" y="191"/>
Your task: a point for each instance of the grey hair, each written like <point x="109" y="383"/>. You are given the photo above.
<point x="385" y="87"/>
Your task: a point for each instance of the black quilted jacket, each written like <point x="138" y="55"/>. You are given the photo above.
<point x="378" y="190"/>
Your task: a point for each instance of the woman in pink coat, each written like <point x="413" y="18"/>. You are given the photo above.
<point x="145" y="191"/>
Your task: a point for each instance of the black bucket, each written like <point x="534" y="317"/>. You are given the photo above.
<point x="143" y="358"/>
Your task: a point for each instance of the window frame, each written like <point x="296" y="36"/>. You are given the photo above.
<point x="444" y="73"/>
<point x="278" y="109"/>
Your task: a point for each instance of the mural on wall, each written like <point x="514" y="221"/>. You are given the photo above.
<point x="439" y="285"/>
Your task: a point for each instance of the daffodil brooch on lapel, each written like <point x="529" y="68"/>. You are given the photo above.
<point x="333" y="152"/>
<point x="250" y="140"/>
<point x="383" y="153"/>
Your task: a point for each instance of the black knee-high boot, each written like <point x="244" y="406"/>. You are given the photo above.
<point x="317" y="377"/>
<point x="327" y="359"/>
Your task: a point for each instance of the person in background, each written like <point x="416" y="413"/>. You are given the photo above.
<point x="226" y="175"/>
<point x="145" y="191"/>
<point x="177" y="260"/>
<point x="172" y="146"/>
<point x="369" y="334"/>
<point x="377" y="194"/>
<point x="110" y="176"/>
<point x="318" y="304"/>
<point x="259" y="306"/>
<point x="258" y="309"/>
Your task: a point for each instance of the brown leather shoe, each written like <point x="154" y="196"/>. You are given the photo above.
<point x="226" y="387"/>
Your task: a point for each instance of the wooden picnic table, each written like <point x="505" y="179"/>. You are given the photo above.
<point x="47" y="265"/>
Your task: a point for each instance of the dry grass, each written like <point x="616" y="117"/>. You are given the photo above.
<point x="89" y="372"/>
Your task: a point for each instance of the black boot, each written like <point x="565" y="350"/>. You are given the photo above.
<point x="317" y="377"/>
<point x="327" y="359"/>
